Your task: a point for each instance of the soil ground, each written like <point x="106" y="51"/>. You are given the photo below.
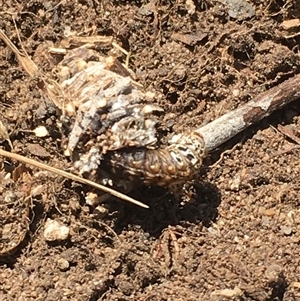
<point x="238" y="238"/>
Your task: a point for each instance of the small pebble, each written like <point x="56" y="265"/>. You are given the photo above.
<point x="236" y="92"/>
<point x="239" y="9"/>
<point x="265" y="220"/>
<point x="63" y="264"/>
<point x="100" y="212"/>
<point x="286" y="230"/>
<point x="296" y="284"/>
<point x="54" y="231"/>
<point x="270" y="212"/>
<point x="273" y="271"/>
<point x="41" y="131"/>
<point x="91" y="199"/>
<point x="228" y="293"/>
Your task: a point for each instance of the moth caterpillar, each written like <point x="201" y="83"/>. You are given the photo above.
<point x="178" y="162"/>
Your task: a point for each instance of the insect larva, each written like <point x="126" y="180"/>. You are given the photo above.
<point x="176" y="163"/>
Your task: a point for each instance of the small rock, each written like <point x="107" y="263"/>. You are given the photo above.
<point x="54" y="231"/>
<point x="63" y="264"/>
<point x="273" y="271"/>
<point x="265" y="220"/>
<point x="286" y="230"/>
<point x="270" y="212"/>
<point x="288" y="24"/>
<point x="41" y="131"/>
<point x="100" y="212"/>
<point x="296" y="284"/>
<point x="228" y="293"/>
<point x="235" y="183"/>
<point x="91" y="199"/>
<point x="213" y="232"/>
<point x="235" y="92"/>
<point x="239" y="9"/>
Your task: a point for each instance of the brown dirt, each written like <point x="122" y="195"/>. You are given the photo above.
<point x="239" y="237"/>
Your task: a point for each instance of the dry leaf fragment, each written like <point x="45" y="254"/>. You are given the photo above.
<point x="38" y="150"/>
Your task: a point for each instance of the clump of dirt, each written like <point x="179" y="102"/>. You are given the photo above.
<point x="236" y="238"/>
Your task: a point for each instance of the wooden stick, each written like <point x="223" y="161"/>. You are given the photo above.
<point x="227" y="126"/>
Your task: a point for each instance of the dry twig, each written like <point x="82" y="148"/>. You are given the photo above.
<point x="29" y="66"/>
<point x="227" y="126"/>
